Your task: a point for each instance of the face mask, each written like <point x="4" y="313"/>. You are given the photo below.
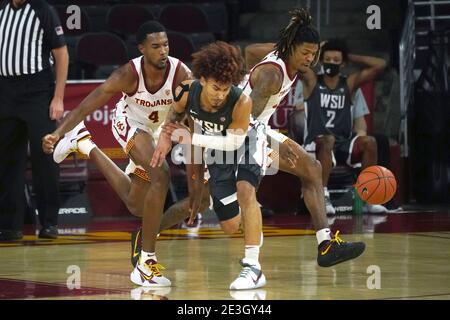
<point x="331" y="69"/>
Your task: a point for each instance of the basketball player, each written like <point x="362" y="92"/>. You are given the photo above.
<point x="329" y="109"/>
<point x="269" y="81"/>
<point x="147" y="85"/>
<point x="219" y="116"/>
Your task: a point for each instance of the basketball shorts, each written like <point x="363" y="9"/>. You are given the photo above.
<point x="344" y="152"/>
<point x="124" y="130"/>
<point x="246" y="166"/>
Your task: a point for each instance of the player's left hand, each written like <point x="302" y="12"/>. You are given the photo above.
<point x="56" y="108"/>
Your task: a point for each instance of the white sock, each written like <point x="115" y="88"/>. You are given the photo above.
<point x="252" y="253"/>
<point x="325" y="191"/>
<point x="85" y="146"/>
<point x="146" y="255"/>
<point x="323" y="235"/>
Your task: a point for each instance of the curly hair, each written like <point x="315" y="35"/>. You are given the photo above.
<point x="336" y="44"/>
<point x="219" y="61"/>
<point x="298" y="31"/>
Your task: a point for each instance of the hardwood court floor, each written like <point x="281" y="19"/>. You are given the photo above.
<point x="410" y="251"/>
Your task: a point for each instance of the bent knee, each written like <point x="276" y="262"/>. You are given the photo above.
<point x="329" y="140"/>
<point x="326" y="141"/>
<point x="230" y="228"/>
<point x="135" y="211"/>
<point x="368" y="142"/>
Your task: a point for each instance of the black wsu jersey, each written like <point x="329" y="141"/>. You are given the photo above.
<point x="210" y="123"/>
<point x="329" y="111"/>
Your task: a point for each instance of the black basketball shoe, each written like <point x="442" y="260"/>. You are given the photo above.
<point x="336" y="250"/>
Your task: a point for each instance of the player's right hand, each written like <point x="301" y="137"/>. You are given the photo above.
<point x="49" y="141"/>
<point x="162" y="149"/>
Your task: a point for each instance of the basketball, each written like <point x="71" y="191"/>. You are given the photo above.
<point x="376" y="185"/>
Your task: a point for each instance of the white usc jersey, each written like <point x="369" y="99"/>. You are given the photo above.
<point x="275" y="99"/>
<point x="149" y="109"/>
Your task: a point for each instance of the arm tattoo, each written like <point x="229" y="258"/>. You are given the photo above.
<point x="267" y="83"/>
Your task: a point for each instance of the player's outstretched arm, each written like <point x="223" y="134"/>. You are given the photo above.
<point x="121" y="80"/>
<point x="195" y="169"/>
<point x="236" y="132"/>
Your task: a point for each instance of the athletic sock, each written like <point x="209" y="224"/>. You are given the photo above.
<point x="323" y="235"/>
<point x="85" y="146"/>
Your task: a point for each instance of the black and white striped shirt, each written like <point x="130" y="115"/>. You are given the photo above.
<point x="27" y="36"/>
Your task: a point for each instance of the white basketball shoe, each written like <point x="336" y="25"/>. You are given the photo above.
<point x="69" y="143"/>
<point x="148" y="274"/>
<point x="251" y="276"/>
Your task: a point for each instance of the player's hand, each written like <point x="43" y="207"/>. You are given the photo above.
<point x="177" y="132"/>
<point x="287" y="153"/>
<point x="56" y="108"/>
<point x="49" y="141"/>
<point x="162" y="149"/>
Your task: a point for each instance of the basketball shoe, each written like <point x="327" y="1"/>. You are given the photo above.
<point x="329" y="206"/>
<point x="148" y="274"/>
<point x="136" y="246"/>
<point x="69" y="143"/>
<point x="336" y="250"/>
<point x="374" y="208"/>
<point x="251" y="276"/>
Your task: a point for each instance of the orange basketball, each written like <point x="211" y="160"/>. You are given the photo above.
<point x="376" y="185"/>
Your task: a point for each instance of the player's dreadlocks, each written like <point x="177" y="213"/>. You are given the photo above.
<point x="298" y="31"/>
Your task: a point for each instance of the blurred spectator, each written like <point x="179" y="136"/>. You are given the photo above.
<point x="336" y="131"/>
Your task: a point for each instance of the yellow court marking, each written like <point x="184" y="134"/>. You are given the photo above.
<point x="170" y="234"/>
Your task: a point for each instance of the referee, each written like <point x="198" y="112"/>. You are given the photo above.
<point x="31" y="41"/>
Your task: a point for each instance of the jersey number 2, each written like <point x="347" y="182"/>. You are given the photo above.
<point x="331" y="115"/>
<point x="154" y="116"/>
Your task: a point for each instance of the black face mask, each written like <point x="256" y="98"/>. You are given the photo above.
<point x="331" y="69"/>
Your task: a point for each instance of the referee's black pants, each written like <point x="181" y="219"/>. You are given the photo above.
<point x="24" y="116"/>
